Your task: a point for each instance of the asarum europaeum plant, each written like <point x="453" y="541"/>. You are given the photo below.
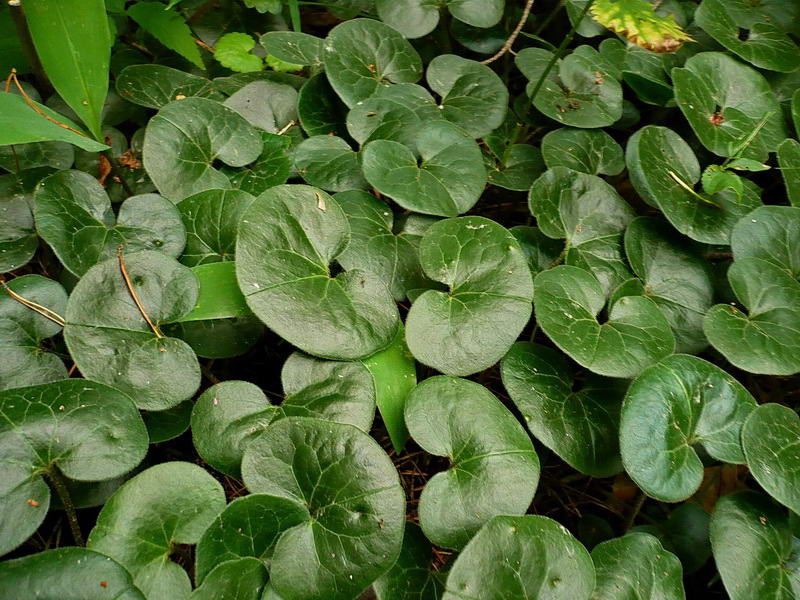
<point x="399" y="299"/>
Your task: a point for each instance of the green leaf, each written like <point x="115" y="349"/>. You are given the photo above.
<point x="211" y="219"/>
<point x="447" y="181"/>
<point x="541" y="251"/>
<point x="164" y="425"/>
<point x="519" y="557"/>
<point x="18" y="239"/>
<point x="361" y="54"/>
<point x="242" y="579"/>
<point x="26" y="360"/>
<point x="590" y="215"/>
<point x="86" y="430"/>
<point x="640" y="24"/>
<point x="375" y="248"/>
<point x="329" y="163"/>
<point x="74" y="216"/>
<point x="319" y="108"/>
<point x="684" y="533"/>
<point x="12" y="56"/>
<point x="637" y="565"/>
<point x="287" y="240"/>
<point x="579" y="91"/>
<point x="219" y="338"/>
<point x="590" y="151"/>
<point x="271" y="168"/>
<point x="110" y="341"/>
<point x="679" y="403"/>
<point x="656" y="156"/>
<point x="789" y="160"/>
<point x="168" y="504"/>
<point x="20" y="124"/>
<point x="411" y="577"/>
<point x="769" y="437"/>
<point x="248" y="527"/>
<point x="293" y="47"/>
<point x="580" y="425"/>
<point x="770" y="233"/>
<point x="232" y="50"/>
<point x="493" y="467"/>
<point x="412" y="18"/>
<point x="34" y="155"/>
<point x="155" y="86"/>
<point x="186" y="137"/>
<point x="748" y="164"/>
<point x="73" y="43"/>
<point x="724" y="102"/>
<point x="674" y="276"/>
<point x="168" y="27"/>
<point x="473" y="97"/>
<point x="764" y="339"/>
<point x="755" y="547"/>
<point x="483" y="40"/>
<point x="267" y="105"/>
<point x="75" y="573"/>
<point x="715" y="179"/>
<point x="352" y="492"/>
<point x="761" y="41"/>
<point x="568" y="300"/>
<point x="219" y="296"/>
<point x="470" y="327"/>
<point x="518" y="168"/>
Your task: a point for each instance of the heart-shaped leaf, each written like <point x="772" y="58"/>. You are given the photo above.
<point x="164" y="425"/>
<point x="293" y="47"/>
<point x="168" y="504"/>
<point x="471" y="327"/>
<point x="728" y="103"/>
<point x="271" y="168"/>
<point x="672" y="406"/>
<point x="85" y="430"/>
<point x="581" y="426"/>
<point x="760" y="41"/>
<point x="522" y="557"/>
<point x="764" y="339"/>
<point x="754" y="547"/>
<point x="319" y="108"/>
<point x="375" y="248"/>
<point x="74" y="216"/>
<point x="362" y="54"/>
<point x="579" y="91"/>
<point x="72" y="573"/>
<point x="242" y="579"/>
<point x="590" y="215"/>
<point x="568" y="301"/>
<point x="18" y="240"/>
<point x="248" y="527"/>
<point x="416" y="18"/>
<point x="111" y="341"/>
<point x="266" y="105"/>
<point x="590" y="151"/>
<point x="219" y="296"/>
<point x="155" y="86"/>
<point x="447" y="181"/>
<point x="22" y="330"/>
<point x="637" y="565"/>
<point x="411" y="577"/>
<point x="769" y="438"/>
<point x="354" y="500"/>
<point x="674" y="276"/>
<point x="493" y="467"/>
<point x="772" y="234"/>
<point x="329" y="163"/>
<point x="185" y="138"/>
<point x="662" y="165"/>
<point x="211" y="219"/>
<point x="287" y="239"/>
<point x="229" y="414"/>
<point x="517" y="168"/>
<point x="541" y="251"/>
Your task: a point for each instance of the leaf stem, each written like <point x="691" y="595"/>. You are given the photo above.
<point x="60" y="486"/>
<point x="514" y="34"/>
<point x="689" y="189"/>
<point x="637" y="506"/>
<point x="133" y="293"/>
<point x="42" y="310"/>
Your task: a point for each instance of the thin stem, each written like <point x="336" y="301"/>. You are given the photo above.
<point x="514" y="34"/>
<point x="540" y="27"/>
<point x="635" y="511"/>
<point x="294" y="15"/>
<point x="689" y="189"/>
<point x="133" y="293"/>
<point x="42" y="310"/>
<point x="60" y="486"/>
<point x="286" y="127"/>
<point x="565" y="42"/>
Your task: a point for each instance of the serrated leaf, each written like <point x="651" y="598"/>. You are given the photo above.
<point x="232" y="50"/>
<point x="168" y="27"/>
<point x="639" y="23"/>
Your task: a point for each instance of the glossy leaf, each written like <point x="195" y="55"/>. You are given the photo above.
<point x="541" y="251"/>
<point x="232" y="50"/>
<point x="789" y="159"/>
<point x="640" y="24"/>
<point x="517" y="168"/>
<point x="589" y="151"/>
<point x="167" y="27"/>
<point x="293" y="47"/>
<point x="471" y="327"/>
<point x="329" y="163"/>
<point x="411" y="577"/>
<point x="772" y="234"/>
<point x="242" y="579"/>
<point x="319" y="108"/>
<point x="270" y="106"/>
<point x="155" y="86"/>
<point x="18" y="239"/>
<point x="493" y="467"/>
<point x="219" y="295"/>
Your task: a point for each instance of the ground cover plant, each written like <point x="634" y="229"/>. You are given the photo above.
<point x="399" y="299"/>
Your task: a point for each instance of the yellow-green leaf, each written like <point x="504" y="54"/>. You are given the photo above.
<point x="638" y="22"/>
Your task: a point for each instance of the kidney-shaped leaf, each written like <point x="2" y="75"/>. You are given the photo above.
<point x="67" y="574"/>
<point x="637" y="566"/>
<point x="568" y="301"/>
<point x="581" y="426"/>
<point x="755" y="548"/>
<point x="74" y="215"/>
<point x="672" y="406"/>
<point x="447" y="180"/>
<point x="771" y="233"/>
<point x="240" y="579"/>
<point x="287" y="240"/>
<point x="328" y="162"/>
<point x="86" y="430"/>
<point x="522" y="557"/>
<point x="110" y="340"/>
<point x="590" y="151"/>
<point x="168" y="504"/>
<point x="493" y="469"/>
<point x="354" y="500"/>
<point x="187" y="136"/>
<point x="471" y="327"/>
